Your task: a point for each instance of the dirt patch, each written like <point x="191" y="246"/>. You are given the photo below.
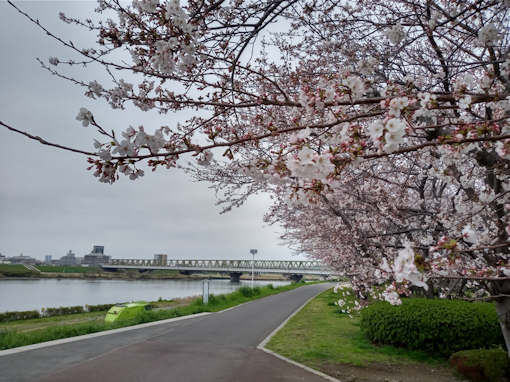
<point x="389" y="373"/>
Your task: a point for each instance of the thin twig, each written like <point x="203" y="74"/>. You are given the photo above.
<point x="45" y="142"/>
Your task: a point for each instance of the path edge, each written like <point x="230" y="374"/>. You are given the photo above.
<point x="45" y="344"/>
<point x="262" y="345"/>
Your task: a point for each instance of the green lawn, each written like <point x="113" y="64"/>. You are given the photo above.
<point x="15" y="270"/>
<point x="318" y="335"/>
<point x="67" y="269"/>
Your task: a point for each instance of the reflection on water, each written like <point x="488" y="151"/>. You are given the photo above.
<point x="31" y="294"/>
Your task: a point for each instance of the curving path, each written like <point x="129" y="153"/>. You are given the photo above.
<point x="216" y="347"/>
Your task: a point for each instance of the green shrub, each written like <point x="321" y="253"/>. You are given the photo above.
<point x="98" y="308"/>
<point x="436" y="326"/>
<point x="52" y="312"/>
<point x="346" y="301"/>
<point x="213" y="300"/>
<point x="246" y="291"/>
<point x="487" y="365"/>
<point x="20" y="315"/>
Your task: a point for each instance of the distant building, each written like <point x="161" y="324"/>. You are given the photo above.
<point x="68" y="259"/>
<point x="47" y="259"/>
<point x="98" y="250"/>
<point x="3" y="259"/>
<point x="21" y="259"/>
<point x="96" y="257"/>
<point x="161" y="259"/>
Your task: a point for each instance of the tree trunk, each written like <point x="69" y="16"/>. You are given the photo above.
<point x="503" y="309"/>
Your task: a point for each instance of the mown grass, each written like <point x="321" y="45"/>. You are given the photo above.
<point x="320" y="335"/>
<point x="15" y="270"/>
<point x="44" y="322"/>
<point x="11" y="337"/>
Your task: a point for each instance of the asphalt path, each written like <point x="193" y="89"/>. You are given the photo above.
<point x="217" y="347"/>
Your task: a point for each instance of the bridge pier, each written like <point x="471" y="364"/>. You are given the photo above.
<point x="295" y="277"/>
<point x="235" y="276"/>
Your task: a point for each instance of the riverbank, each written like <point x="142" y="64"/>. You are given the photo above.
<point x="24" y="326"/>
<point x="321" y="338"/>
<point x="15" y="333"/>
<point x="30" y="294"/>
<point x="19" y="272"/>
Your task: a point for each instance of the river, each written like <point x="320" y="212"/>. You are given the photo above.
<point x="28" y="294"/>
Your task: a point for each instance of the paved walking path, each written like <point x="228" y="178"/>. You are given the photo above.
<point x="212" y="348"/>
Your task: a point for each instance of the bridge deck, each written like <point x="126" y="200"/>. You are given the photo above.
<point x="259" y="266"/>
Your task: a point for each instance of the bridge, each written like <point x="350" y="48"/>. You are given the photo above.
<point x="235" y="268"/>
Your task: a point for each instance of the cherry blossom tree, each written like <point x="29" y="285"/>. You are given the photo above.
<point x="380" y="127"/>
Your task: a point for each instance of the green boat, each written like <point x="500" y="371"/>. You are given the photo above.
<point x="128" y="311"/>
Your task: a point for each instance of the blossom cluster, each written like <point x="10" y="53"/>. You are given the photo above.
<point x="308" y="164"/>
<point x="384" y="144"/>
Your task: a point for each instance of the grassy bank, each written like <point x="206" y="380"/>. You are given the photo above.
<point x="67" y="269"/>
<point x="319" y="337"/>
<point x="81" y="272"/>
<point x="16" y="333"/>
<point x="15" y="270"/>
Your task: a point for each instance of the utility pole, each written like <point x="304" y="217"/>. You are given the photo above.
<point x="253" y="252"/>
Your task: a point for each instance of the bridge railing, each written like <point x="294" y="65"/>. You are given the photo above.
<point x="307" y="265"/>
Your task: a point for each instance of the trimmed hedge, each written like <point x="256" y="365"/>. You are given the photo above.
<point x="22" y="315"/>
<point x="434" y="325"/>
<point x="98" y="308"/>
<point x="52" y="312"/>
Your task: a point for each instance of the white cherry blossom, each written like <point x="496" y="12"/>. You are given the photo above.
<point x="85" y="116"/>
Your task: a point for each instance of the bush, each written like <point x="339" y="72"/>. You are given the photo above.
<point x="21" y="315"/>
<point x="99" y="307"/>
<point x="213" y="300"/>
<point x="52" y="312"/>
<point x="482" y="364"/>
<point x="249" y="292"/>
<point x="436" y="326"/>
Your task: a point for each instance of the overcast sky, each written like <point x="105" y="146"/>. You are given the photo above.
<point x="49" y="203"/>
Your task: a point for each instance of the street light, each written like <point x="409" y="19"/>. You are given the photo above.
<point x="253" y="252"/>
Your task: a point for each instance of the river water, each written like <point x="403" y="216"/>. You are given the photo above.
<point x="30" y="294"/>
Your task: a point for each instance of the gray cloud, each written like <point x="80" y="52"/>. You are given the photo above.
<point x="49" y="203"/>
